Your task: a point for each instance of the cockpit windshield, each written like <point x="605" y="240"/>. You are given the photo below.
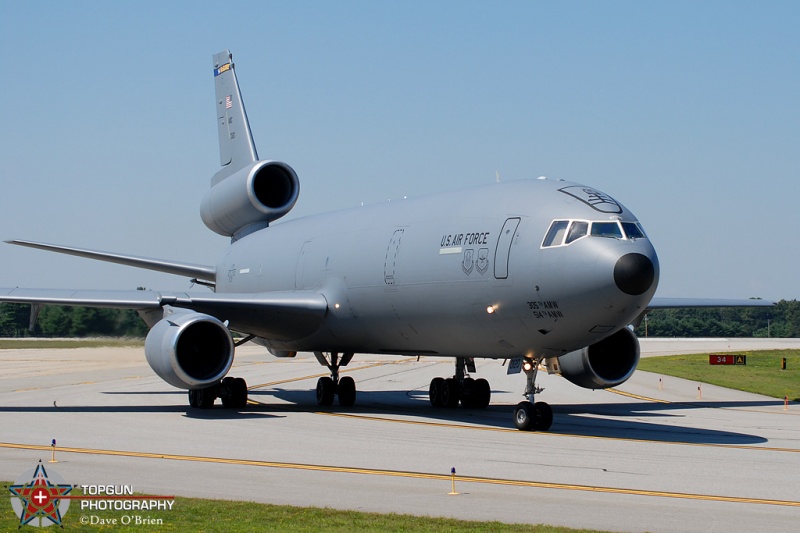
<point x="565" y="232"/>
<point x="555" y="235"/>
<point x="606" y="229"/>
<point x="633" y="230"/>
<point x="577" y="230"/>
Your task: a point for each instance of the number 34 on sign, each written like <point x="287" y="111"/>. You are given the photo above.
<point x="727" y="359"/>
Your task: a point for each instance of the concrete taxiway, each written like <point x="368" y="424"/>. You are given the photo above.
<point x="648" y="456"/>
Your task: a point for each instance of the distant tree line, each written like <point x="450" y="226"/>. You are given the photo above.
<point x="782" y="320"/>
<point x="58" y="321"/>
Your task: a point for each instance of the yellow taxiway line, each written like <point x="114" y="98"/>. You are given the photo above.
<point x="414" y="475"/>
<point x="637" y="397"/>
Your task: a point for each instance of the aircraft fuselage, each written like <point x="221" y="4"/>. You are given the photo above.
<point x="456" y="274"/>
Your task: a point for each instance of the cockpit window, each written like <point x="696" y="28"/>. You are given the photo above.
<point x="555" y="235"/>
<point x="577" y="230"/>
<point x="565" y="232"/>
<point x="633" y="230"/>
<point x="606" y="229"/>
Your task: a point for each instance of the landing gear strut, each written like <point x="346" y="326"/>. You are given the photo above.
<point x="531" y="415"/>
<point x="472" y="393"/>
<point x="328" y="387"/>
<point x="232" y="391"/>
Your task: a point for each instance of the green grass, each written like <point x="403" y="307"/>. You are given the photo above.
<point x="761" y="375"/>
<point x="196" y="515"/>
<point x="30" y="343"/>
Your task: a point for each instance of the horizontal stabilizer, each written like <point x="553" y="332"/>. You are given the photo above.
<point x="202" y="272"/>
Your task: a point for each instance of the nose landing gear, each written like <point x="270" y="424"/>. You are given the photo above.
<point x="531" y="415"/>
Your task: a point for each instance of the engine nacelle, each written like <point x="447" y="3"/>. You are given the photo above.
<point x="189" y="350"/>
<point x="251" y="198"/>
<point x="605" y="364"/>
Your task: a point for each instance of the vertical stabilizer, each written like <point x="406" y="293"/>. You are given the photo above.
<point x="236" y="147"/>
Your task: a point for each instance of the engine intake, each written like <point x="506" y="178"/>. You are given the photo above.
<point x="250" y="199"/>
<point x="189" y="350"/>
<point x="605" y="364"/>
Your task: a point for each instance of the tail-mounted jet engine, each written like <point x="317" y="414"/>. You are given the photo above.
<point x="605" y="364"/>
<point x="189" y="350"/>
<point x="250" y="199"/>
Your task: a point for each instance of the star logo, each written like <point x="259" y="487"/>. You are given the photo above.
<point x="38" y="499"/>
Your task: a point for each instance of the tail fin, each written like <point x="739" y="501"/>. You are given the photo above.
<point x="236" y="147"/>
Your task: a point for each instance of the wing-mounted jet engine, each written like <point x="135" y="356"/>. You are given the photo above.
<point x="189" y="350"/>
<point x="194" y="351"/>
<point x="605" y="364"/>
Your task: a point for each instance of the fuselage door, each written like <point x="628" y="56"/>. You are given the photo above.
<point x="503" y="250"/>
<point x="390" y="263"/>
<point x="300" y="267"/>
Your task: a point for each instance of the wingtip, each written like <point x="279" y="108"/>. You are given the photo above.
<point x="22" y="242"/>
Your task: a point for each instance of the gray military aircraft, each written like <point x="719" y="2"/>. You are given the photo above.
<point x="548" y="274"/>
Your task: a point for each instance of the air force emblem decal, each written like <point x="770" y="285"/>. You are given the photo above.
<point x="599" y="201"/>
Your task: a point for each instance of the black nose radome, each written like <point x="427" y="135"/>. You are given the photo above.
<point x="634" y="274"/>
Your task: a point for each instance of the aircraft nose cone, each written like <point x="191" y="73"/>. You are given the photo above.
<point x="634" y="274"/>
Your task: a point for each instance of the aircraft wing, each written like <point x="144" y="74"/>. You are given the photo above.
<point x="202" y="272"/>
<point x="683" y="303"/>
<point x="281" y="315"/>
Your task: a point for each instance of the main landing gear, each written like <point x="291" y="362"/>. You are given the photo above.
<point x="531" y="415"/>
<point x="232" y="391"/>
<point x="328" y="387"/>
<point x="472" y="393"/>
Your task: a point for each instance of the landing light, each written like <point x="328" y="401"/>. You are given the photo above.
<point x="336" y="306"/>
<point x="527" y="366"/>
<point x="490" y="309"/>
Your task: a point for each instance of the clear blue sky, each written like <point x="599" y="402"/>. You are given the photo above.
<point x="686" y="112"/>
